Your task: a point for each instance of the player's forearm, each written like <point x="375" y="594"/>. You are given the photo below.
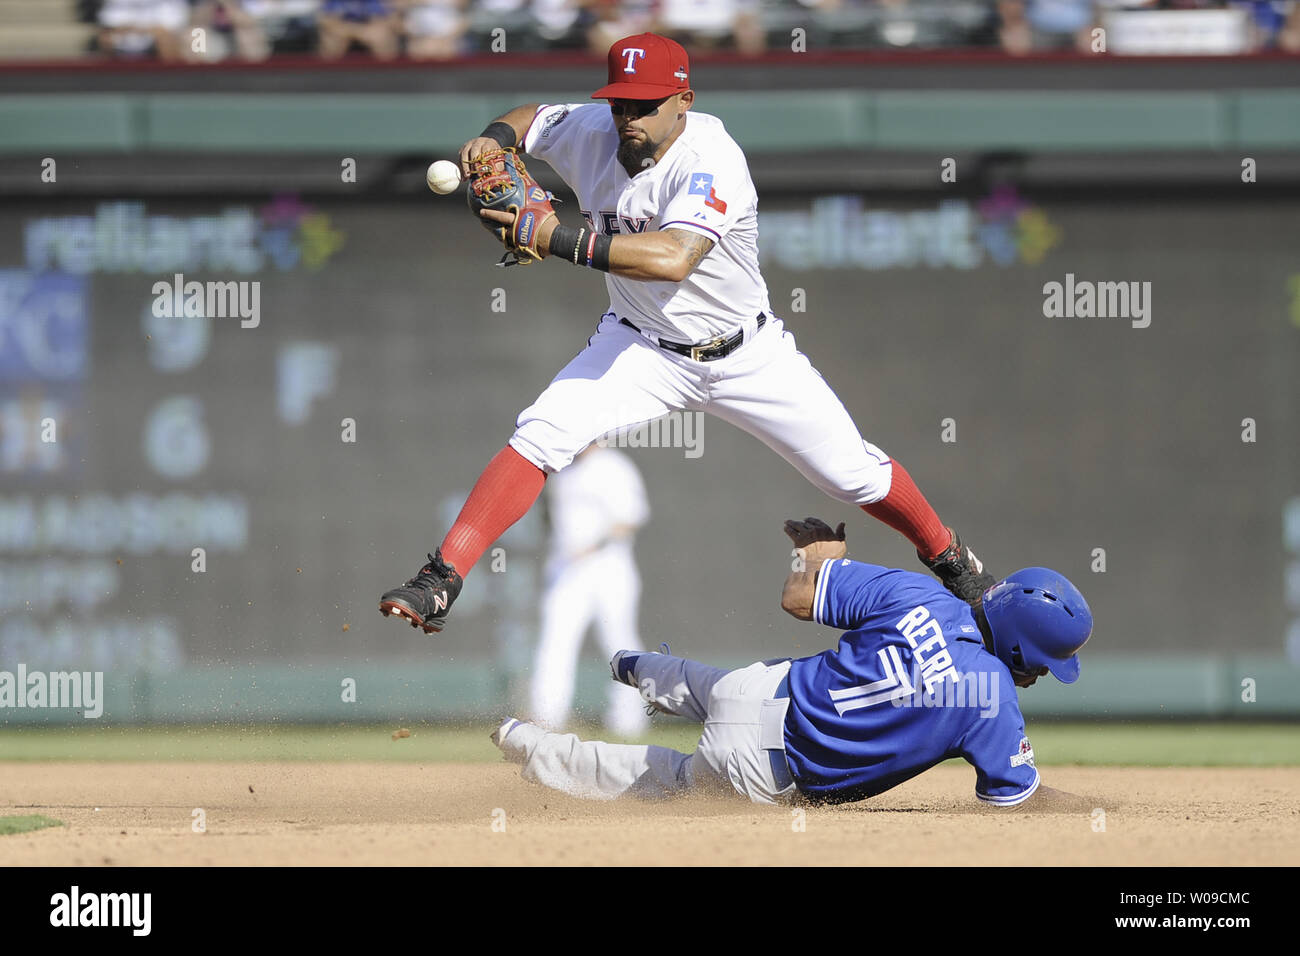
<point x="666" y="256"/>
<point x="799" y="590"/>
<point x="815" y="543"/>
<point x="519" y="119"/>
<point x="648" y="257"/>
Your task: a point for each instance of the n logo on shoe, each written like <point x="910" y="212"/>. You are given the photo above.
<point x="440" y="601"/>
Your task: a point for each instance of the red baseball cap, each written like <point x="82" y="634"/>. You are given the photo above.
<point x="645" y="67"/>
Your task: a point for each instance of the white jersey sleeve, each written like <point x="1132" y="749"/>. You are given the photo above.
<point x="710" y="195"/>
<point x="563" y="133"/>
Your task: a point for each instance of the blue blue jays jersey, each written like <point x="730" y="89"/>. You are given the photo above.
<point x="910" y="685"/>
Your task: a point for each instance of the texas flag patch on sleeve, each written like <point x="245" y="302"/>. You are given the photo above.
<point x="702" y="185"/>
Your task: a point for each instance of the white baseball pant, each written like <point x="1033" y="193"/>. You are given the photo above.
<point x="603" y="589"/>
<point x="767" y="387"/>
<point x="743" y="722"/>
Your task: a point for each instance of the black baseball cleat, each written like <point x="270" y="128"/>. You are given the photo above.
<point x="960" y="571"/>
<point x="426" y="599"/>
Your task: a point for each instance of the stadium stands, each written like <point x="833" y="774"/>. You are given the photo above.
<point x="251" y="30"/>
<point x="41" y="29"/>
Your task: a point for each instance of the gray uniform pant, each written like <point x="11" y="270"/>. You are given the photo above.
<point x="743" y="722"/>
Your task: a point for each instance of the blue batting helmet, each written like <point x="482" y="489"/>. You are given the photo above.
<point x="1038" y="619"/>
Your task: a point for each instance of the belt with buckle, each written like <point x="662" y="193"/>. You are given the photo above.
<point x="709" y="351"/>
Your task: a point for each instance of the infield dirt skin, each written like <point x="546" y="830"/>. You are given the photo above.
<point x="356" y="814"/>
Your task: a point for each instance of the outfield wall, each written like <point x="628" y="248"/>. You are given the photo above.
<point x="433" y="688"/>
<point x="385" y="123"/>
<point x="1078" y="443"/>
<point x="206" y="508"/>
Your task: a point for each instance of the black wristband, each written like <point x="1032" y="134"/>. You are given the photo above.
<point x="503" y="133"/>
<point x="600" y="254"/>
<point x="564" y="243"/>
<point x="580" y="246"/>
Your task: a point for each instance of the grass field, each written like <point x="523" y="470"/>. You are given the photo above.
<point x="25" y="823"/>
<point x="1087" y="744"/>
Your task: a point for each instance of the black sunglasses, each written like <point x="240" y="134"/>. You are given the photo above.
<point x="635" y="109"/>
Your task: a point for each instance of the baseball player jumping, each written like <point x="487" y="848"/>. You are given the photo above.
<point x="671" y="218"/>
<point x="918" y="677"/>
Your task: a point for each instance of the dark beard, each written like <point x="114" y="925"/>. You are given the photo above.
<point x="635" y="155"/>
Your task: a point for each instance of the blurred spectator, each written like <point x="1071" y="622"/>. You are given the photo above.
<point x="703" y="24"/>
<point x="559" y="23"/>
<point x="435" y="29"/>
<point x="515" y="26"/>
<point x="1032" y="25"/>
<point x="1275" y="23"/>
<point x="611" y="20"/>
<point x="263" y="27"/>
<point x="372" y="24"/>
<point x="444" y="29"/>
<point x="136" y="27"/>
<point x="1288" y="34"/>
<point x="488" y="18"/>
<point x="832" y="22"/>
<point x="933" y="24"/>
<point x="893" y="24"/>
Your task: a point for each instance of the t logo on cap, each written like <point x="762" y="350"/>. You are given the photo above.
<point x="633" y="54"/>
<point x="645" y="67"/>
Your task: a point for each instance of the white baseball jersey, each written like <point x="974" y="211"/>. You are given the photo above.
<point x="701" y="184"/>
<point x="602" y="490"/>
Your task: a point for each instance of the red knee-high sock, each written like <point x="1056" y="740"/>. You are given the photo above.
<point x="905" y="510"/>
<point x="501" y="496"/>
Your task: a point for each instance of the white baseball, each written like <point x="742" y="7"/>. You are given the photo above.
<point x="442" y="176"/>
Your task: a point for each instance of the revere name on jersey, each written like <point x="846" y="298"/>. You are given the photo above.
<point x="701" y="184"/>
<point x="910" y="685"/>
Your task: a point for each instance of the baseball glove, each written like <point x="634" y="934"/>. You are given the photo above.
<point x="499" y="180"/>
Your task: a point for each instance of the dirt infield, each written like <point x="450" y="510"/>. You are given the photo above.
<point x="444" y="814"/>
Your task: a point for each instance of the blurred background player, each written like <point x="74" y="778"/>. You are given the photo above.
<point x="596" y="506"/>
<point x="919" y="676"/>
